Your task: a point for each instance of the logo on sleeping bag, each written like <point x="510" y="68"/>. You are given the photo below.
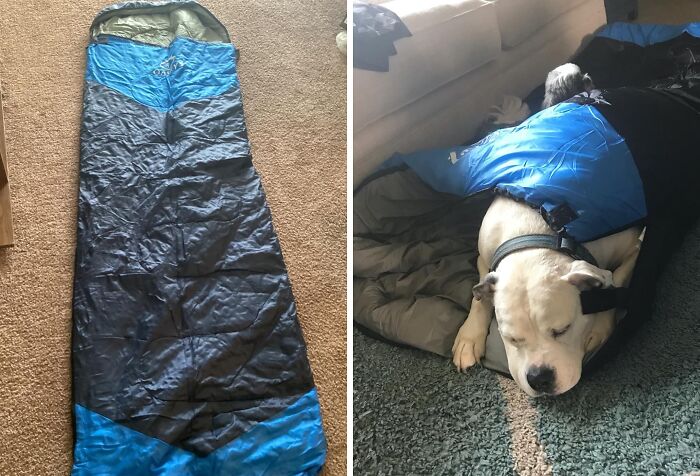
<point x="453" y="157"/>
<point x="168" y="65"/>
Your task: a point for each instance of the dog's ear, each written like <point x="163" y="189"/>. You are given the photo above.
<point x="486" y="288"/>
<point x="585" y="276"/>
<point x="588" y="83"/>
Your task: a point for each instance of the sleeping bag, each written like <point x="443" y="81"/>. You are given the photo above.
<point x="624" y="155"/>
<point x="187" y="355"/>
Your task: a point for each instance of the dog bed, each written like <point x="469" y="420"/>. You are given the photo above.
<point x="594" y="165"/>
<point x="187" y="354"/>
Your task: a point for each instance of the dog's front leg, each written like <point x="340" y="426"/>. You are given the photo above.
<point x="622" y="275"/>
<point x="470" y="344"/>
<point x="603" y="325"/>
<point x="604" y="322"/>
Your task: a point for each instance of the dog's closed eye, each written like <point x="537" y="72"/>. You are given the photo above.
<point x="560" y="332"/>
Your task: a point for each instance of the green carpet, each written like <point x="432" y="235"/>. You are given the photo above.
<point x="640" y="414"/>
<point x="414" y="414"/>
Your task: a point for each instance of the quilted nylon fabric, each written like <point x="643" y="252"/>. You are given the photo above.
<point x="567" y="154"/>
<point x="292" y="436"/>
<point x="647" y="34"/>
<point x="162" y="77"/>
<point x="185" y="335"/>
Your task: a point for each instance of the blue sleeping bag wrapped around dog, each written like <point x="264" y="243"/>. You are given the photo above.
<point x="625" y="154"/>
<point x="187" y="355"/>
<point x="567" y="155"/>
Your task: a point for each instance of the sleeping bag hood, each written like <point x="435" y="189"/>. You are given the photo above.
<point x="187" y="355"/>
<point x="624" y="155"/>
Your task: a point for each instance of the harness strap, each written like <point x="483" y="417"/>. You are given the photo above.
<point x="553" y="242"/>
<point x="599" y="300"/>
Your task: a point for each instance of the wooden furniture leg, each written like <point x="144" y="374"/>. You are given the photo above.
<point x="6" y="235"/>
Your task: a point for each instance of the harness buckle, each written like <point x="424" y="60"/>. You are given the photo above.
<point x="557" y="216"/>
<point x="567" y="245"/>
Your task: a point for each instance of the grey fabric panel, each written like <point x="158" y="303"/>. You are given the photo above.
<point x="495" y="358"/>
<point x="175" y="234"/>
<point x="414" y="260"/>
<point x="167" y="20"/>
<point x="394" y="307"/>
<point x="395" y="204"/>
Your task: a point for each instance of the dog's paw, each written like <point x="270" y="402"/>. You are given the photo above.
<point x="469" y="347"/>
<point x="602" y="329"/>
<point x="595" y="340"/>
<point x="608" y="281"/>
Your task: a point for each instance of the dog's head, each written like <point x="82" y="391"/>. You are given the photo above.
<point x="564" y="82"/>
<point x="536" y="297"/>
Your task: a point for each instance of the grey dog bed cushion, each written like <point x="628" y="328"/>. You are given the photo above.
<point x="414" y="260"/>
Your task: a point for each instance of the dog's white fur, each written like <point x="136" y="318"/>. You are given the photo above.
<point x="537" y="291"/>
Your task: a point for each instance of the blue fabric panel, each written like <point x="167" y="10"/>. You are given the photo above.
<point x="292" y="443"/>
<point x="568" y="154"/>
<point x="162" y="77"/>
<point x="647" y="34"/>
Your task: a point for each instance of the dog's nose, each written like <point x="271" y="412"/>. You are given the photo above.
<point x="541" y="379"/>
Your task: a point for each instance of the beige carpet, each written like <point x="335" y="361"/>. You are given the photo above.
<point x="293" y="81"/>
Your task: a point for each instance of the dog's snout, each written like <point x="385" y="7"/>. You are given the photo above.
<point x="541" y="379"/>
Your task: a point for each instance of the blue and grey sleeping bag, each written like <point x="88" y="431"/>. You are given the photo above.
<point x="187" y="355"/>
<point x="593" y="165"/>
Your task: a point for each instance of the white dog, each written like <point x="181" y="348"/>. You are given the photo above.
<point x="536" y="297"/>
